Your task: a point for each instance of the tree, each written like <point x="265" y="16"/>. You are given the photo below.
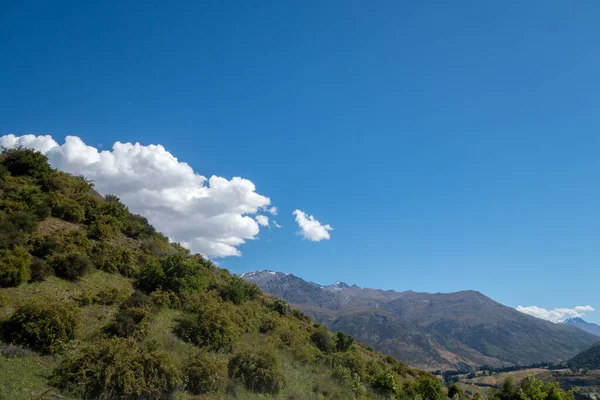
<point x="343" y="341"/>
<point x="454" y="392"/>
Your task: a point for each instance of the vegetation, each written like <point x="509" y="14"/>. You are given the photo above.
<point x="44" y="325"/>
<point x="94" y="303"/>
<point x="589" y="358"/>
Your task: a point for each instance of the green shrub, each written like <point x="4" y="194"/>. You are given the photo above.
<point x="385" y="384"/>
<point x="430" y="388"/>
<point x="40" y="270"/>
<point x="43" y="325"/>
<point x="133" y="318"/>
<point x="238" y="291"/>
<point x="352" y="361"/>
<point x="66" y="208"/>
<point x="281" y="306"/>
<point x="70" y="266"/>
<point x="268" y="324"/>
<point x="454" y="392"/>
<point x="105" y="227"/>
<point x="323" y="340"/>
<point x="175" y="273"/>
<point x="137" y="227"/>
<point x="209" y="327"/>
<point x="205" y="373"/>
<point x="113" y="259"/>
<point x="22" y="161"/>
<point x="4" y="299"/>
<point x="258" y="371"/>
<point x="343" y="341"/>
<point x="119" y="369"/>
<point x="15" y="267"/>
<point x="44" y="246"/>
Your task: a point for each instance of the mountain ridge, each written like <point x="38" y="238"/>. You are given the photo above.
<point x="580" y="323"/>
<point x="460" y="330"/>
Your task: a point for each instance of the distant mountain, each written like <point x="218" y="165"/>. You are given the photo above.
<point x="589" y="358"/>
<point x="458" y="330"/>
<point x="581" y="324"/>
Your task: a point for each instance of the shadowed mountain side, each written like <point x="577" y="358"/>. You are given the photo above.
<point x="435" y="331"/>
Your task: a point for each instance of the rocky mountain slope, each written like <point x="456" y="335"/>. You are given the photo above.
<point x="433" y="331"/>
<point x="581" y="324"/>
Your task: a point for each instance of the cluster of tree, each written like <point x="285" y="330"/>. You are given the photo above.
<point x="529" y="388"/>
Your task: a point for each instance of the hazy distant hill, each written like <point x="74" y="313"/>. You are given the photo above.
<point x="581" y="324"/>
<point x="434" y="331"/>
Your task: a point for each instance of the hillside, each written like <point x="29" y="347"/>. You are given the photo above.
<point x="584" y="325"/>
<point x="589" y="358"/>
<point x="94" y="303"/>
<point x="459" y="330"/>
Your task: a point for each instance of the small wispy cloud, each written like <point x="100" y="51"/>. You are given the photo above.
<point x="310" y="228"/>
<point x="556" y="315"/>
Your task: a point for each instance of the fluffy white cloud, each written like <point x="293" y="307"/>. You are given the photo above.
<point x="273" y="210"/>
<point x="262" y="220"/>
<point x="212" y="216"/>
<point x="310" y="228"/>
<point x="558" y="314"/>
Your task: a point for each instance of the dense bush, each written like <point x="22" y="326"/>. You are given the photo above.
<point x="40" y="270"/>
<point x="174" y="273"/>
<point x="343" y="341"/>
<point x="133" y="318"/>
<point x="43" y="246"/>
<point x="209" y="327"/>
<point x="530" y="388"/>
<point x="66" y="208"/>
<point x="71" y="266"/>
<point x="385" y="384"/>
<point x="238" y="291"/>
<point x="259" y="371"/>
<point x="21" y="161"/>
<point x="455" y="393"/>
<point x="104" y="227"/>
<point x="118" y="369"/>
<point x="205" y="373"/>
<point x="15" y="267"/>
<point x="281" y="306"/>
<point x="44" y="326"/>
<point x="430" y="388"/>
<point x="113" y="259"/>
<point x="323" y="340"/>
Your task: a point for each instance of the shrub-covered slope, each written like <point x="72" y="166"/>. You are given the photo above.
<point x="589" y="358"/>
<point x="94" y="303"/>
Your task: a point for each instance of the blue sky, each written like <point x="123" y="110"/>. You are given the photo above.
<point x="450" y="145"/>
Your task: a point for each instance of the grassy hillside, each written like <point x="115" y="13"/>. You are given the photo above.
<point x="589" y="358"/>
<point x="94" y="303"/>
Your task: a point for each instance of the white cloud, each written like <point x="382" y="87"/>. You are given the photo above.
<point x="212" y="216"/>
<point x="276" y="225"/>
<point x="273" y="210"/>
<point x="262" y="220"/>
<point x="558" y="314"/>
<point x="310" y="228"/>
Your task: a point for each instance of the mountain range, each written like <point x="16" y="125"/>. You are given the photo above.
<point x="581" y="324"/>
<point x="460" y="331"/>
